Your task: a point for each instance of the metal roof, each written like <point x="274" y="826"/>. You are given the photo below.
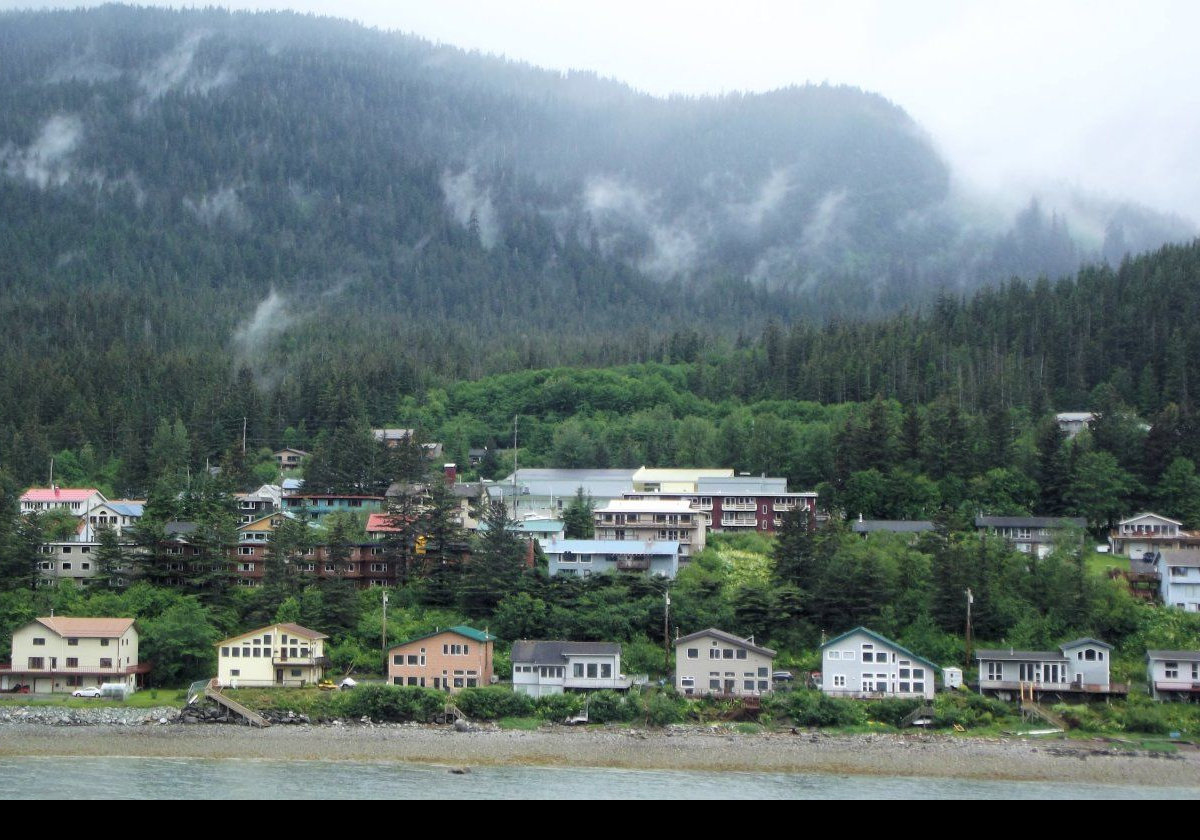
<point x="725" y="637"/>
<point x="884" y="640"/>
<point x="59" y="494"/>
<point x="638" y="547"/>
<point x="539" y="653"/>
<point x="1030" y="522"/>
<point x="893" y="526"/>
<point x="1188" y="557"/>
<point x="458" y="630"/>
<point x="745" y="485"/>
<point x="294" y="629"/>
<point x="1175" y="655"/>
<point x="87" y="628"/>
<point x="1020" y="655"/>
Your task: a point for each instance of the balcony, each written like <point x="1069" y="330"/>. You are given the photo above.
<point x="301" y="661"/>
<point x="1177" y="685"/>
<point x="738" y="522"/>
<point x="750" y="506"/>
<point x="633" y="564"/>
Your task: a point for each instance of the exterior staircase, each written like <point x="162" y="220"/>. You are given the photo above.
<point x="920" y="716"/>
<point x="1030" y="708"/>
<point x="213" y="692"/>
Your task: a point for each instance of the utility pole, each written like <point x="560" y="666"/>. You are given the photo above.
<point x="970" y="601"/>
<point x="514" y="481"/>
<point x="667" y="632"/>
<point x="243" y="436"/>
<point x="384" y="634"/>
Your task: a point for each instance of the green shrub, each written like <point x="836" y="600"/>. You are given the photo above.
<point x="558" y="707"/>
<point x="892" y="711"/>
<point x="813" y="708"/>
<point x="391" y="703"/>
<point x="493" y="702"/>
<point x="609" y="707"/>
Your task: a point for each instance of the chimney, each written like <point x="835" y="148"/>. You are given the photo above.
<point x="529" y="558"/>
<point x="451" y="472"/>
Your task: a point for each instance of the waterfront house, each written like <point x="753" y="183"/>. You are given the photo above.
<point x="864" y="664"/>
<point x="718" y="663"/>
<point x="1173" y="675"/>
<point x="1078" y="669"/>
<point x="450" y="660"/>
<point x="60" y="654"/>
<point x="584" y="558"/>
<point x="281" y="654"/>
<point x="541" y="668"/>
<point x="1030" y="534"/>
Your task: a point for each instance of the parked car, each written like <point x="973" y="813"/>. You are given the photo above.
<point x="782" y="677"/>
<point x="94" y="691"/>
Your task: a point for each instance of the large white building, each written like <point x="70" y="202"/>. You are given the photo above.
<point x="61" y="654"/>
<point x="652" y="520"/>
<point x="542" y="668"/>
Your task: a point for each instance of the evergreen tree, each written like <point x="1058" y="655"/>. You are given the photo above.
<point x="496" y="565"/>
<point x="577" y="517"/>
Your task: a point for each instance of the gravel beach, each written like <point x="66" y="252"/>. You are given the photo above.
<point x="676" y="748"/>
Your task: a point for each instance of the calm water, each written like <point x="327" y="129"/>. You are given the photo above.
<point x="168" y="778"/>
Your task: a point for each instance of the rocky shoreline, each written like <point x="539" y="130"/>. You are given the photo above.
<point x="161" y="732"/>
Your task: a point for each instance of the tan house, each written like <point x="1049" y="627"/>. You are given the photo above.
<point x="278" y="655"/>
<point x="715" y="662"/>
<point x="59" y="654"/>
<point x="452" y="659"/>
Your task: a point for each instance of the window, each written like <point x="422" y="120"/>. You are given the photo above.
<point x="72" y="643"/>
<point x="1089" y="655"/>
<point x="693" y="653"/>
<point x="1171" y="670"/>
<point x="235" y="673"/>
<point x="398" y="659"/>
<point x="225" y="651"/>
<point x="606" y="671"/>
<point x="833" y="654"/>
<point x="412" y="659"/>
<point x="577" y="670"/>
<point x="39" y="642"/>
<point x="72" y="662"/>
<point x="714" y="684"/>
<point x="66" y="566"/>
<point x="763" y="672"/>
<point x="727" y="653"/>
<point x="106" y="663"/>
<point x="296" y="672"/>
<point x="591" y="670"/>
<point x="762" y="685"/>
<point x="839" y="680"/>
<point x="741" y="654"/>
<point x="37" y="663"/>
<point x="748" y="685"/>
<point x="246" y="550"/>
<point x="245" y="567"/>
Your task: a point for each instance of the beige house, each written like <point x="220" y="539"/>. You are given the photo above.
<point x="652" y="520"/>
<point x="58" y="654"/>
<point x="278" y="655"/>
<point x="715" y="662"/>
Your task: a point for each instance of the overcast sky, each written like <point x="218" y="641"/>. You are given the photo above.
<point x="1100" y="95"/>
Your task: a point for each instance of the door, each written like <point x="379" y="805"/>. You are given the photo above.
<point x="730" y="686"/>
<point x="279" y="676"/>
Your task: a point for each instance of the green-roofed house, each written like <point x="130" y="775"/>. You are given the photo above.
<point x="450" y="660"/>
<point x="865" y="665"/>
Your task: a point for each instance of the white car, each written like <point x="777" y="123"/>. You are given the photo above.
<point x="94" y="691"/>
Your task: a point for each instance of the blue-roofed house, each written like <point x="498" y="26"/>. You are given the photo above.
<point x="584" y="558"/>
<point x="118" y="514"/>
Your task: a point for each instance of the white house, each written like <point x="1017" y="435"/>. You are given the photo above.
<point x="541" y="668"/>
<point x="1173" y="674"/>
<point x="864" y="664"/>
<point x="1179" y="577"/>
<point x="715" y="662"/>
<point x="280" y="655"/>
<point x="77" y="502"/>
<point x="1149" y="532"/>
<point x="1077" y="668"/>
<point x="62" y="654"/>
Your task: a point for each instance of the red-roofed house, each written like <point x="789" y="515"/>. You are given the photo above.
<point x="77" y="501"/>
<point x="59" y="654"/>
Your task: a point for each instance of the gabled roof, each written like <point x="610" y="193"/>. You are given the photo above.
<point x="1147" y="515"/>
<point x="1087" y="640"/>
<point x="285" y="627"/>
<point x="892" y="526"/>
<point x="131" y="509"/>
<point x="1175" y="655"/>
<point x="1020" y="655"/>
<point x="458" y="629"/>
<point x="179" y="529"/>
<point x="725" y="637"/>
<point x="1182" y="557"/>
<point x="60" y="494"/>
<point x="546" y="653"/>
<point x="882" y="640"/>
<point x="87" y="628"/>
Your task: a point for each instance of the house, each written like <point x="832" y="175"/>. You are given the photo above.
<point x="1030" y="534"/>
<point x="584" y="558"/>
<point x="452" y="659"/>
<point x="1149" y="532"/>
<point x="1173" y="674"/>
<point x="67" y="560"/>
<point x="1179" y="577"/>
<point x="652" y="520"/>
<point x="864" y="664"/>
<point x="475" y="455"/>
<point x="278" y="655"/>
<point x="1074" y="422"/>
<point x="77" y="502"/>
<point x="319" y="505"/>
<point x="541" y="668"/>
<point x="119" y="514"/>
<point x="715" y="662"/>
<point x="1078" y="669"/>
<point x="60" y="654"/>
<point x="392" y="438"/>
<point x="289" y="458"/>
<point x="252" y="506"/>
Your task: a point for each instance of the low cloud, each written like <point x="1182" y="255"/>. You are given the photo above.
<point x="47" y="161"/>
<point x="220" y="207"/>
<point x="466" y="200"/>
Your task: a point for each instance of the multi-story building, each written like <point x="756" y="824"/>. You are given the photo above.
<point x="542" y="668"/>
<point x="281" y="654"/>
<point x="1077" y="669"/>
<point x="450" y="660"/>
<point x="584" y="558"/>
<point x="864" y="664"/>
<point x="650" y="520"/>
<point x="120" y="515"/>
<point x="1147" y="533"/>
<point x="719" y="663"/>
<point x="1179" y="577"/>
<point x="546" y="492"/>
<point x="1030" y="534"/>
<point x="77" y="502"/>
<point x="728" y="502"/>
<point x="1173" y="675"/>
<point x="289" y="458"/>
<point x="315" y="506"/>
<point x="59" y="654"/>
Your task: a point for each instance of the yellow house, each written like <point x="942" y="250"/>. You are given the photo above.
<point x="60" y="654"/>
<point x="281" y="654"/>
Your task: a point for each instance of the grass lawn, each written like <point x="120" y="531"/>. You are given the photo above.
<point x="145" y="699"/>
<point x="526" y="724"/>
